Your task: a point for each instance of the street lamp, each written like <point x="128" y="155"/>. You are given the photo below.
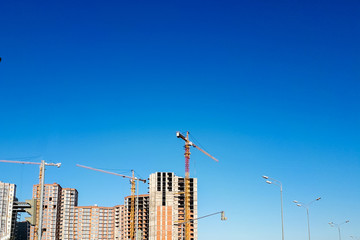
<point x="278" y="183"/>
<point x="355" y="237"/>
<point x="332" y="224"/>
<point x="223" y="218"/>
<point x="300" y="204"/>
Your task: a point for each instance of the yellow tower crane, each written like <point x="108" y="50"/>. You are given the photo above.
<point x="39" y="192"/>
<point x="133" y="187"/>
<point x="188" y="144"/>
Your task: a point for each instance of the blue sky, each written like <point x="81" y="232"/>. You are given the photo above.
<point x="267" y="88"/>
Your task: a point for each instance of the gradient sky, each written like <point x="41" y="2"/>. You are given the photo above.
<point x="267" y="88"/>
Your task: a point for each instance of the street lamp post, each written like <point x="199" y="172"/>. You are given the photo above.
<point x="278" y="183"/>
<point x="355" y="237"/>
<point x="223" y="218"/>
<point x="300" y="204"/>
<point x="332" y="224"/>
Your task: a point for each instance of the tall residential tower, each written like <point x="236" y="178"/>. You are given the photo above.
<point x="51" y="212"/>
<point x="167" y="206"/>
<point x="7" y="216"/>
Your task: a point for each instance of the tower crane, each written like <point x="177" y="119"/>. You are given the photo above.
<point x="188" y="144"/>
<point x="132" y="206"/>
<point x="39" y="191"/>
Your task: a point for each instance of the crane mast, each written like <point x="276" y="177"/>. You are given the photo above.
<point x="132" y="207"/>
<point x="187" y="187"/>
<point x="133" y="188"/>
<point x="188" y="144"/>
<point x="39" y="192"/>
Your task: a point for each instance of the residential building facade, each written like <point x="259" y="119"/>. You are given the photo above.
<point x="51" y="212"/>
<point x="7" y="216"/>
<point x="69" y="200"/>
<point x="119" y="227"/>
<point x="94" y="223"/>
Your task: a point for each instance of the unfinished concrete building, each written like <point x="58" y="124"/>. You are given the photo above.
<point x="141" y="217"/>
<point x="167" y="206"/>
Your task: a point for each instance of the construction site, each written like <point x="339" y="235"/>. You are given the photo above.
<point x="168" y="212"/>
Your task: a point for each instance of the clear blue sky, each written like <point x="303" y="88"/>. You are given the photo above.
<point x="267" y="88"/>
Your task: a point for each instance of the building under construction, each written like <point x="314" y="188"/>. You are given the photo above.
<point x="167" y="204"/>
<point x="159" y="215"/>
<point x="141" y="218"/>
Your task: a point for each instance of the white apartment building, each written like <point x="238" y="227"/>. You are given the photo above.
<point x="7" y="218"/>
<point x="69" y="200"/>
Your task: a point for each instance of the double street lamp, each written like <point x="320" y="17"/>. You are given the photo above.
<point x="300" y="204"/>
<point x="332" y="224"/>
<point x="278" y="183"/>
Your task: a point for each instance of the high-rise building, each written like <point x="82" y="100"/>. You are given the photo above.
<point x="51" y="212"/>
<point x="69" y="200"/>
<point x="167" y="201"/>
<point x="7" y="216"/>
